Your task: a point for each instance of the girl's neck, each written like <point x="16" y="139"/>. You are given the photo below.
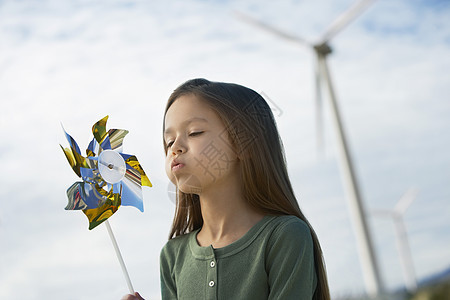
<point x="226" y="217"/>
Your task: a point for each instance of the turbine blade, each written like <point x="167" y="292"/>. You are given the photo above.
<point x="382" y="213"/>
<point x="319" y="109"/>
<point x="406" y="200"/>
<point x="264" y="26"/>
<point x="344" y="19"/>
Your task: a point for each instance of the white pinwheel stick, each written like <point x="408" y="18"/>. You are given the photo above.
<point x="119" y="257"/>
<point x="112" y="169"/>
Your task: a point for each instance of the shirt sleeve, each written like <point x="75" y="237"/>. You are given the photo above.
<point x="168" y="286"/>
<point x="290" y="262"/>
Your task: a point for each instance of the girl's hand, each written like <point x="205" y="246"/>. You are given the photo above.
<point x="136" y="296"/>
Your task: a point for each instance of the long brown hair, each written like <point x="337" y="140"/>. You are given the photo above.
<point x="252" y="130"/>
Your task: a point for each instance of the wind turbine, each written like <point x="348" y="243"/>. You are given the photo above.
<point x="401" y="236"/>
<point x="371" y="272"/>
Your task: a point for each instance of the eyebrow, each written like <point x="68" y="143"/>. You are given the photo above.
<point x="187" y="122"/>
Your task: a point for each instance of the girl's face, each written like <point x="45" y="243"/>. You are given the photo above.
<point x="199" y="155"/>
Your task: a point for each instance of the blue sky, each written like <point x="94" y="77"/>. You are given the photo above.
<point x="76" y="61"/>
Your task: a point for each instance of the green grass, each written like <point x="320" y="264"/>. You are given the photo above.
<point x="440" y="291"/>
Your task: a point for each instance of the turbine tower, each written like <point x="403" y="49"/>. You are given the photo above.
<point x="366" y="251"/>
<point x="402" y="237"/>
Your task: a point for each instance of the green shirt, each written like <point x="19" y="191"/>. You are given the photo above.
<point x="273" y="260"/>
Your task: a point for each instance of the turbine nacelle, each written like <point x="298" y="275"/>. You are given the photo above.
<point x="323" y="49"/>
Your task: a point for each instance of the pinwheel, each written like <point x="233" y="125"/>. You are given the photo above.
<point x="110" y="179"/>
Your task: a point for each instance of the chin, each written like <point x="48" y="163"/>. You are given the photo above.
<point x="189" y="185"/>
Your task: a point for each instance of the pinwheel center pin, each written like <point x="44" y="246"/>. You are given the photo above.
<point x="111" y="166"/>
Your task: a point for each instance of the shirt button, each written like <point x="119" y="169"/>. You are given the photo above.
<point x="212" y="264"/>
<point x="211" y="283"/>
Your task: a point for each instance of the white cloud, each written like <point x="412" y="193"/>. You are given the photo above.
<point x="74" y="62"/>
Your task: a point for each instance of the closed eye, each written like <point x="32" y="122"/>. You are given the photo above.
<point x="169" y="144"/>
<point x="192" y="134"/>
<point x="196" y="133"/>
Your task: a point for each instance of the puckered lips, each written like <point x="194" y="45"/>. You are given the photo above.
<point x="176" y="165"/>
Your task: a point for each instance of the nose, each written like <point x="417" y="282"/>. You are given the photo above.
<point x="178" y="148"/>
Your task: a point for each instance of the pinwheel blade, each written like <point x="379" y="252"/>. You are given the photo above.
<point x="74" y="195"/>
<point x="72" y="143"/>
<point x="71" y="159"/>
<point x="93" y="148"/>
<point x="98" y="215"/>
<point x="100" y="134"/>
<point x="73" y="155"/>
<point x="133" y="162"/>
<point x="116" y="137"/>
<point x="132" y="190"/>
<point x="133" y="181"/>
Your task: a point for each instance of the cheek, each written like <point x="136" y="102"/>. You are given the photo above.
<point x="227" y="147"/>
<point x="228" y="150"/>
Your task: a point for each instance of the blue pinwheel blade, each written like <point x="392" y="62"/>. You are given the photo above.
<point x="72" y="142"/>
<point x="86" y="174"/>
<point x="83" y="195"/>
<point x="131" y="190"/>
<point x="91" y="196"/>
<point x="92" y="149"/>
<point x="106" y="144"/>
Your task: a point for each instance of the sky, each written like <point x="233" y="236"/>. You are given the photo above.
<point x="74" y="62"/>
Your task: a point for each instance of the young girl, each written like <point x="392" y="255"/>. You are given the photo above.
<point x="238" y="232"/>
